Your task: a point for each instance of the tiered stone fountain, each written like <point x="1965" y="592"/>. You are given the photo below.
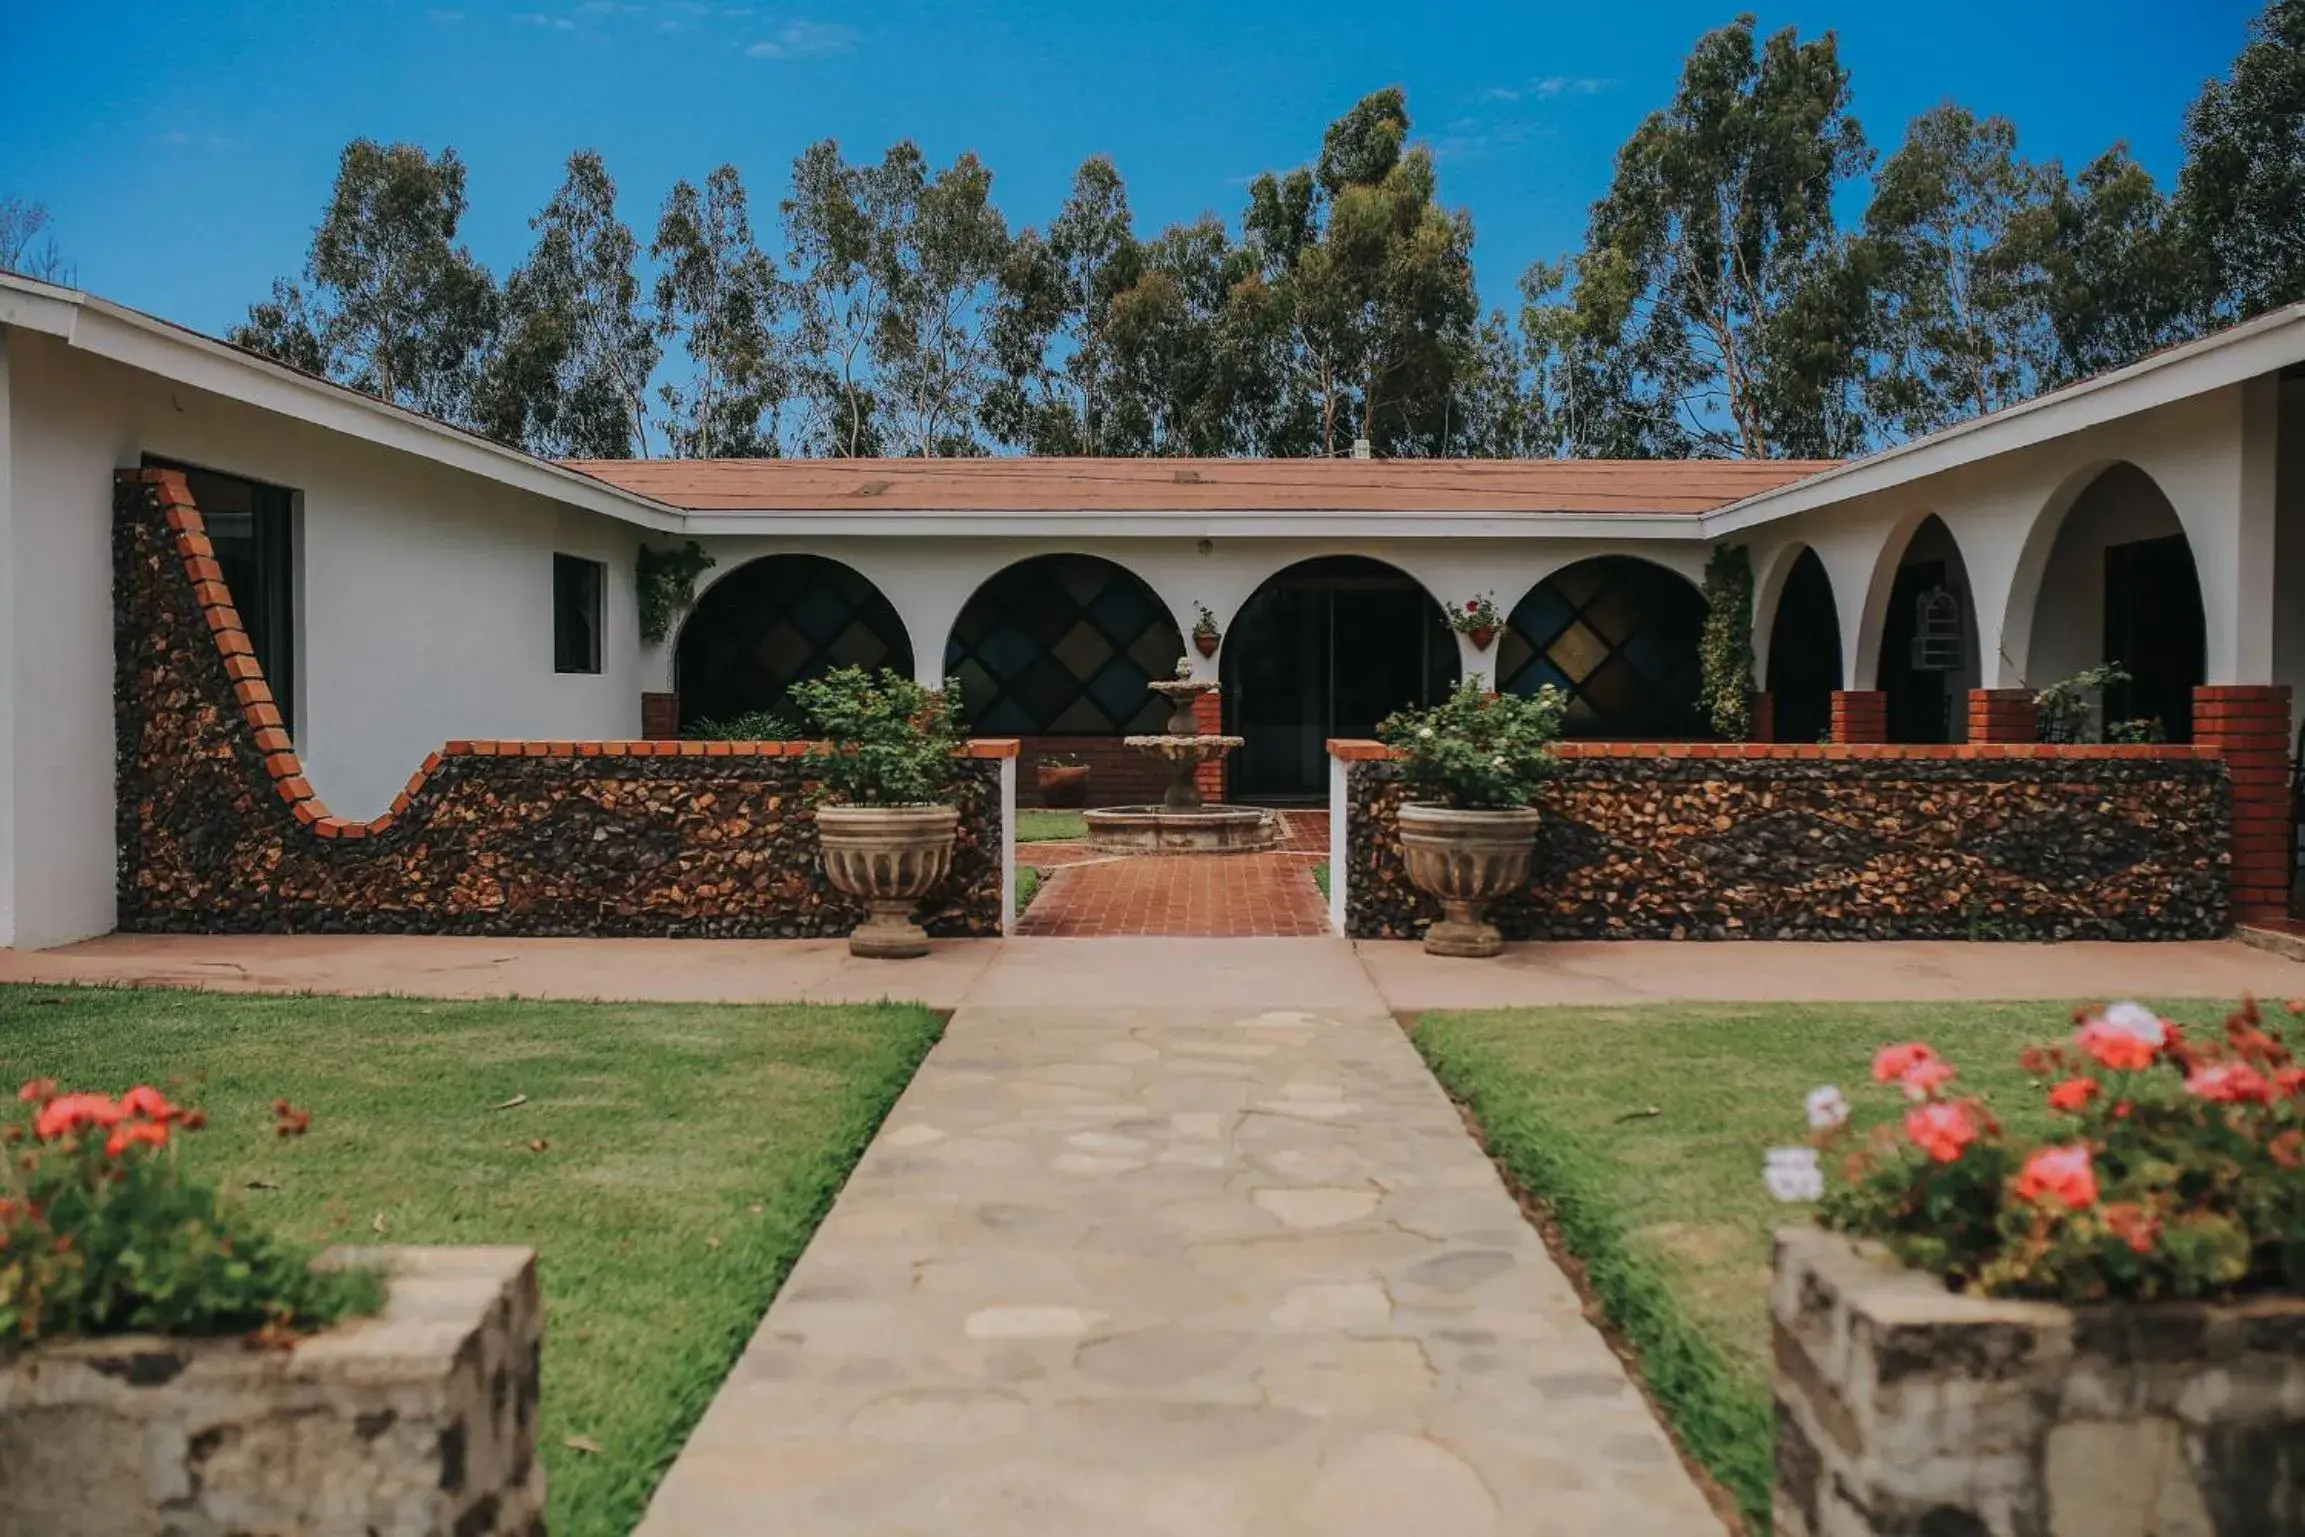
<point x="1183" y="823"/>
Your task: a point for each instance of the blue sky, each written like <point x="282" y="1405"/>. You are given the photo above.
<point x="185" y="149"/>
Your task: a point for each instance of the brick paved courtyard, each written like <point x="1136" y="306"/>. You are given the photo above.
<point x="1088" y="894"/>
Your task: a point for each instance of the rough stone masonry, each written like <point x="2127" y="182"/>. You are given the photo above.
<point x="420" y="1422"/>
<point x="1905" y="1410"/>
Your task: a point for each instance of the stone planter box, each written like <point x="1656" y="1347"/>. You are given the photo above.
<point x="419" y="1422"/>
<point x="1905" y="1410"/>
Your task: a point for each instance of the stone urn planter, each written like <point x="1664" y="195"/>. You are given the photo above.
<point x="1904" y="1407"/>
<point x="1063" y="784"/>
<point x="1467" y="859"/>
<point x="418" y="1422"/>
<point x="891" y="857"/>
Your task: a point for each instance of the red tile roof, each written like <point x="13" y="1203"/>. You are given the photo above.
<point x="1201" y="485"/>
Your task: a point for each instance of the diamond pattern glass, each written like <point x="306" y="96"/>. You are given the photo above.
<point x="774" y="622"/>
<point x="1063" y="645"/>
<point x="1620" y="637"/>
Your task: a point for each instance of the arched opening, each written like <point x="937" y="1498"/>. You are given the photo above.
<point x="1805" y="653"/>
<point x="1062" y="646"/>
<point x="776" y="621"/>
<point x="1619" y="636"/>
<point x="1326" y="648"/>
<point x="1929" y="640"/>
<point x="2119" y="587"/>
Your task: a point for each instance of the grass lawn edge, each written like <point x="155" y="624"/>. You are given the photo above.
<point x="1717" y="1421"/>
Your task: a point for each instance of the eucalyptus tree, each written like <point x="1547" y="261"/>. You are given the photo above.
<point x="944" y="245"/>
<point x="1715" y="294"/>
<point x="2243" y="180"/>
<point x="1056" y="291"/>
<point x="1193" y="353"/>
<point x="25" y="244"/>
<point x="1957" y="229"/>
<point x="839" y="278"/>
<point x="390" y="304"/>
<point x="2125" y="278"/>
<point x="1374" y="278"/>
<point x="569" y="376"/>
<point x="721" y="297"/>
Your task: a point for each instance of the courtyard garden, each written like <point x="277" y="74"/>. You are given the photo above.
<point x="667" y="1162"/>
<point x="1638" y="1134"/>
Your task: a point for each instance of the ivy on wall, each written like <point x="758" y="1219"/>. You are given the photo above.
<point x="667" y="583"/>
<point x="1726" y="650"/>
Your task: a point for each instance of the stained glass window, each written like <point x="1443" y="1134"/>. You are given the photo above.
<point x="1620" y="637"/>
<point x="775" y="622"/>
<point x="1063" y="645"/>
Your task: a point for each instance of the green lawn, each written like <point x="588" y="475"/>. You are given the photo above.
<point x="1027" y="886"/>
<point x="668" y="1163"/>
<point x="1039" y="825"/>
<point x="1321" y="878"/>
<point x="1642" y="1129"/>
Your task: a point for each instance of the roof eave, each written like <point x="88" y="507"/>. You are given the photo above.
<point x="136" y="340"/>
<point x="2270" y="342"/>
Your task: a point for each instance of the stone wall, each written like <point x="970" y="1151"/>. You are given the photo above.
<point x="1905" y="1410"/>
<point x="219" y="831"/>
<point x="1782" y="842"/>
<point x="420" y="1422"/>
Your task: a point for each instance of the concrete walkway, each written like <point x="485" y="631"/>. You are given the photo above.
<point x="1126" y="1267"/>
<point x="1406" y="979"/>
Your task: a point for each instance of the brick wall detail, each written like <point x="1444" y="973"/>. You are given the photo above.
<point x="2003" y="715"/>
<point x="1860" y="716"/>
<point x="2249" y="726"/>
<point x="1209" y="720"/>
<point x="1786" y="841"/>
<point x="220" y="832"/>
<point x="659" y="716"/>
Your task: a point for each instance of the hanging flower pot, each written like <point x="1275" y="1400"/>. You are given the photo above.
<point x="1478" y="621"/>
<point x="1205" y="634"/>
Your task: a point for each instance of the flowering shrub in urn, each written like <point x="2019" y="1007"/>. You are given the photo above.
<point x="1472" y="764"/>
<point x="2178" y="1170"/>
<point x="1477" y="750"/>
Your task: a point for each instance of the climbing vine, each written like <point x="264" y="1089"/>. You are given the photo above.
<point x="667" y="584"/>
<point x="1727" y="648"/>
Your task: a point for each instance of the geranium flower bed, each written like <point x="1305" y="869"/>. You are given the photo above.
<point x="103" y="1232"/>
<point x="2176" y="1168"/>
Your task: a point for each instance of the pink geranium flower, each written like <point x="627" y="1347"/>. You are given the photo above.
<point x="2063" y="1174"/>
<point x="1892" y="1063"/>
<point x="1942" y="1130"/>
<point x="2230" y="1083"/>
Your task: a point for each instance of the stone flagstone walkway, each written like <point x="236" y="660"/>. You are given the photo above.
<point x="1124" y="1269"/>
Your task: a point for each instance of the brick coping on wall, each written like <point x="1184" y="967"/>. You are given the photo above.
<point x="260" y="712"/>
<point x="1353" y="750"/>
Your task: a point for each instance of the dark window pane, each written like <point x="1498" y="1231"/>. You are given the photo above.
<point x="576" y="591"/>
<point x="252" y="527"/>
<point x="777" y="621"/>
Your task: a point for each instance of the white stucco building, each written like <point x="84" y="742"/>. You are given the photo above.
<point x="408" y="583"/>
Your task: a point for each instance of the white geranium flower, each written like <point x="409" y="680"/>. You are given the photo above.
<point x="1424" y="733"/>
<point x="1828" y="1107"/>
<point x="2134" y="1019"/>
<point x="1792" y="1174"/>
<point x="1499" y="762"/>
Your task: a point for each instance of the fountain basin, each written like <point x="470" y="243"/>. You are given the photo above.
<point x="1182" y="829"/>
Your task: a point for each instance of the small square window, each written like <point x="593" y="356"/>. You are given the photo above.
<point x="577" y="585"/>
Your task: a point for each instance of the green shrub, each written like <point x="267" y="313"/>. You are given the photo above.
<point x="1476" y="750"/>
<point x="101" y="1232"/>
<point x="886" y="741"/>
<point x="751" y="726"/>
